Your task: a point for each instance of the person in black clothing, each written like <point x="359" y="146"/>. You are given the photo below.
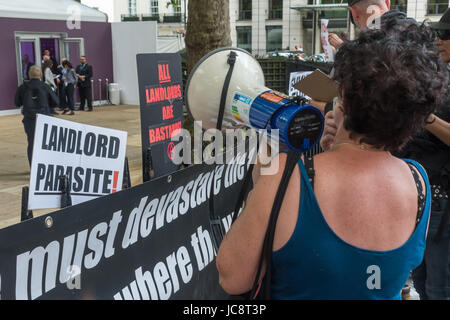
<point x="62" y="85"/>
<point x="34" y="97"/>
<point x="432" y="277"/>
<point x="70" y="83"/>
<point x="84" y="73"/>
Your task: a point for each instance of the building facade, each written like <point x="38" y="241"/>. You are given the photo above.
<point x="171" y="19"/>
<point x="262" y="26"/>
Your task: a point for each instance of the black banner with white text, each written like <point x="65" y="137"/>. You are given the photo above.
<point x="152" y="241"/>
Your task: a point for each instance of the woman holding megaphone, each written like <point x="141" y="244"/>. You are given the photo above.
<point x="356" y="227"/>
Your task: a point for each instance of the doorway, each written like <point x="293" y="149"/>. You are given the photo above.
<point x="27" y="56"/>
<point x="30" y="47"/>
<point x="52" y="45"/>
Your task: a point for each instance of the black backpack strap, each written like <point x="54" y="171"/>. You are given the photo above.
<point x="266" y="253"/>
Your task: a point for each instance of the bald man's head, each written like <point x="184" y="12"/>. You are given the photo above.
<point x="365" y="12"/>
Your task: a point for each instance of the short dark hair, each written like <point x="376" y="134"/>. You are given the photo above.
<point x="67" y="63"/>
<point x="390" y="83"/>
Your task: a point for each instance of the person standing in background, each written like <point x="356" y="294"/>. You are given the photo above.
<point x="70" y="83"/>
<point x="61" y="86"/>
<point x="45" y="58"/>
<point x="48" y="53"/>
<point x="49" y="80"/>
<point x="431" y="149"/>
<point x="84" y="73"/>
<point x="35" y="97"/>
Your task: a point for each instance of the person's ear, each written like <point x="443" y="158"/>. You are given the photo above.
<point x="388" y="4"/>
<point x="354" y="15"/>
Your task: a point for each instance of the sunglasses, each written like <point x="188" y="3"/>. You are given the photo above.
<point x="443" y="34"/>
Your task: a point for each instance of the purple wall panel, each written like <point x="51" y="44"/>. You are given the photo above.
<point x="97" y="43"/>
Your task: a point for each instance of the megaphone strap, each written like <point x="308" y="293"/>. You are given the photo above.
<point x="216" y="225"/>
<point x="231" y="61"/>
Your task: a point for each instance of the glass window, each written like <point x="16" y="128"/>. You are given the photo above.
<point x="154" y="8"/>
<point x="400" y="5"/>
<point x="437" y="6"/>
<point x="307" y="41"/>
<point x="245" y="9"/>
<point x="276" y="4"/>
<point x="132" y="8"/>
<point x="275" y="9"/>
<point x="244" y="38"/>
<point x="274" y="38"/>
<point x="331" y="2"/>
<point x="177" y="8"/>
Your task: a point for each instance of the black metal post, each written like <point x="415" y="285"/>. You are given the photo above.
<point x="185" y="16"/>
<point x="149" y="172"/>
<point x="126" y="176"/>
<point x="25" y="214"/>
<point x="66" y="199"/>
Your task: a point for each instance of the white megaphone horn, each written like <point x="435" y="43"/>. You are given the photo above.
<point x="231" y="77"/>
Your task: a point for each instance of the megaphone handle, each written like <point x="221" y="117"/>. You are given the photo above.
<point x="231" y="61"/>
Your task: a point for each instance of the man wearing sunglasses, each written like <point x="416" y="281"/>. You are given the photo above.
<point x="442" y="29"/>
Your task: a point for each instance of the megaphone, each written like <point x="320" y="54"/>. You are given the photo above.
<point x="228" y="83"/>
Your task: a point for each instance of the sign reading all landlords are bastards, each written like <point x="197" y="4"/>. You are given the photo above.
<point x="91" y="157"/>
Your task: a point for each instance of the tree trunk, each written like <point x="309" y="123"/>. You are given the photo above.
<point x="208" y="28"/>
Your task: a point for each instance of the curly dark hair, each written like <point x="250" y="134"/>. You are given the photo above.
<point x="390" y="83"/>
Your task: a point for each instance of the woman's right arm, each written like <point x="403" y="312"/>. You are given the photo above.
<point x="439" y="128"/>
<point x="239" y="253"/>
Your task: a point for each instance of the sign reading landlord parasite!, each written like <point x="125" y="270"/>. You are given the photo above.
<point x="91" y="157"/>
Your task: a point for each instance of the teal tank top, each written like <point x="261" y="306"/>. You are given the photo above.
<point x="316" y="264"/>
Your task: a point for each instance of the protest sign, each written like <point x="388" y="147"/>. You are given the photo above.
<point x="152" y="241"/>
<point x="328" y="50"/>
<point x="295" y="77"/>
<point x="91" y="157"/>
<point x="161" y="100"/>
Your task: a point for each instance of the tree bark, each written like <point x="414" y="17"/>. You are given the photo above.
<point x="208" y="28"/>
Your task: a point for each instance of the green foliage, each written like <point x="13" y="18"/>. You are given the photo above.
<point x="174" y="3"/>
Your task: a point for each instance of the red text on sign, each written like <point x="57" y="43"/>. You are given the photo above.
<point x="167" y="112"/>
<point x="164" y="74"/>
